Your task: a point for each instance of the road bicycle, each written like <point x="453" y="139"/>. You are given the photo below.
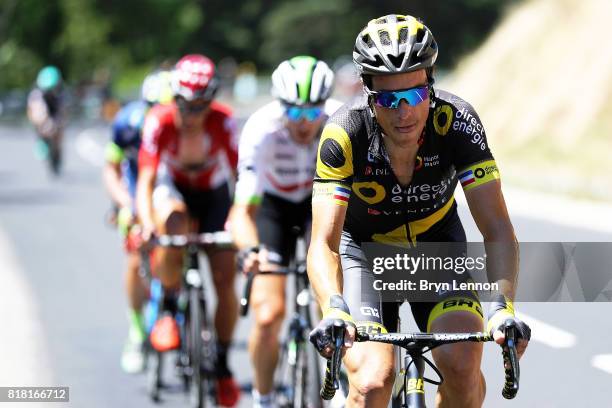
<point x="408" y="391"/>
<point x="196" y="360"/>
<point x="298" y="374"/>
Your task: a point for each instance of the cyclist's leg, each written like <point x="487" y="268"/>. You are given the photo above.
<point x="132" y="358"/>
<point x="464" y="384"/>
<point x="370" y="366"/>
<point x="210" y="208"/>
<point x="458" y="311"/>
<point x="171" y="217"/>
<point x="268" y="304"/>
<point x="134" y="285"/>
<point x="274" y="225"/>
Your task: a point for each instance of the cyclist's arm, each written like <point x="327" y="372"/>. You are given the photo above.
<point x="251" y="158"/>
<point x="324" y="267"/>
<point x="148" y="161"/>
<point x="243" y="227"/>
<point x="112" y="176"/>
<point x="489" y="210"/>
<point x="37" y="109"/>
<point x="144" y="196"/>
<point x="330" y="196"/>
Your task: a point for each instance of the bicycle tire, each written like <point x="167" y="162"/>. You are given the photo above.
<point x="194" y="333"/>
<point x="155" y="373"/>
<point x="298" y="379"/>
<point x="313" y="378"/>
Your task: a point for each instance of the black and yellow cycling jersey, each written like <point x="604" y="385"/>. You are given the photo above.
<point x="353" y="169"/>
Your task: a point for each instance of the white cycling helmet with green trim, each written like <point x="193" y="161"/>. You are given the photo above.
<point x="394" y="44"/>
<point x="302" y="80"/>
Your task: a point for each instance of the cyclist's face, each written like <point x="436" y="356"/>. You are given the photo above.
<point x="404" y="124"/>
<point x="304" y="131"/>
<point x="192" y="112"/>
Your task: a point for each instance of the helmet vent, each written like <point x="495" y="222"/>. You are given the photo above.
<point x="396" y="60"/>
<point x="384" y="37"/>
<point x="378" y="62"/>
<point x="403" y="35"/>
<point x="368" y="40"/>
<point x="420" y="35"/>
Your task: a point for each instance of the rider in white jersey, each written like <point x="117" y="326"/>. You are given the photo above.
<point x="276" y="165"/>
<point x="271" y="161"/>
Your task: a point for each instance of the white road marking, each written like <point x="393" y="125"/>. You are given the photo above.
<point x="89" y="150"/>
<point x="548" y="334"/>
<point x="602" y="362"/>
<point x="22" y="350"/>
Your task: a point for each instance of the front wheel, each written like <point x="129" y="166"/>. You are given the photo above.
<point x="306" y="378"/>
<point x="194" y="347"/>
<point x="155" y="365"/>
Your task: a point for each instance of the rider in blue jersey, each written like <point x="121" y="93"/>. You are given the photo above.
<point x="120" y="175"/>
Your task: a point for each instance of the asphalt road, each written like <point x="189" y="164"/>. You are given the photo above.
<point x="69" y="265"/>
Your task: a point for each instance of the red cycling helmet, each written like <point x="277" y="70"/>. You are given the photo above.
<point x="194" y="78"/>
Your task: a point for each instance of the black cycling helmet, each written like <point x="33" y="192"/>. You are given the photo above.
<point x="394" y="44"/>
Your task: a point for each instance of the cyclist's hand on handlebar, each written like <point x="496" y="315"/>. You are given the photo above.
<point x="336" y="315"/>
<point x="249" y="259"/>
<point x="501" y="310"/>
<point x="147" y="232"/>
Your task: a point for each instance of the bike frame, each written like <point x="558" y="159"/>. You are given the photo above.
<point x="198" y="369"/>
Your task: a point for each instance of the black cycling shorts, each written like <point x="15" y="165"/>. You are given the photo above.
<point x="209" y="208"/>
<point x="373" y="315"/>
<point x="279" y="224"/>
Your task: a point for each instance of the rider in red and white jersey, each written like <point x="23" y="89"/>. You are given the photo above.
<point x="186" y="163"/>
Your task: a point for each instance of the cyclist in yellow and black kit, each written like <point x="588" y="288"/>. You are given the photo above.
<point x="387" y="168"/>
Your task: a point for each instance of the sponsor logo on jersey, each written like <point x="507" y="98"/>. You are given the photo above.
<point x="369" y="311"/>
<point x="471" y="126"/>
<point x="419" y="163"/>
<point x="431" y="161"/>
<point x="442" y="119"/>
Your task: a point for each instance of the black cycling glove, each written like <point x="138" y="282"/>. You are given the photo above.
<point x="337" y="315"/>
<point x="501" y="310"/>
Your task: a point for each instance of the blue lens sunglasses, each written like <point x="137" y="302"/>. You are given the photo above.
<point x="392" y="99"/>
<point x="295" y="113"/>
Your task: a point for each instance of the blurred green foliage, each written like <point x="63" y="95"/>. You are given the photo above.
<point x="83" y="36"/>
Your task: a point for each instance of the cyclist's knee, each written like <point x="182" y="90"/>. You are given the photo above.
<point x="177" y="222"/>
<point x="459" y="364"/>
<point x="269" y="316"/>
<point x="371" y="372"/>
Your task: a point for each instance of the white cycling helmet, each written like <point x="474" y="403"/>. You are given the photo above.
<point x="302" y="80"/>
<point x="156" y="88"/>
